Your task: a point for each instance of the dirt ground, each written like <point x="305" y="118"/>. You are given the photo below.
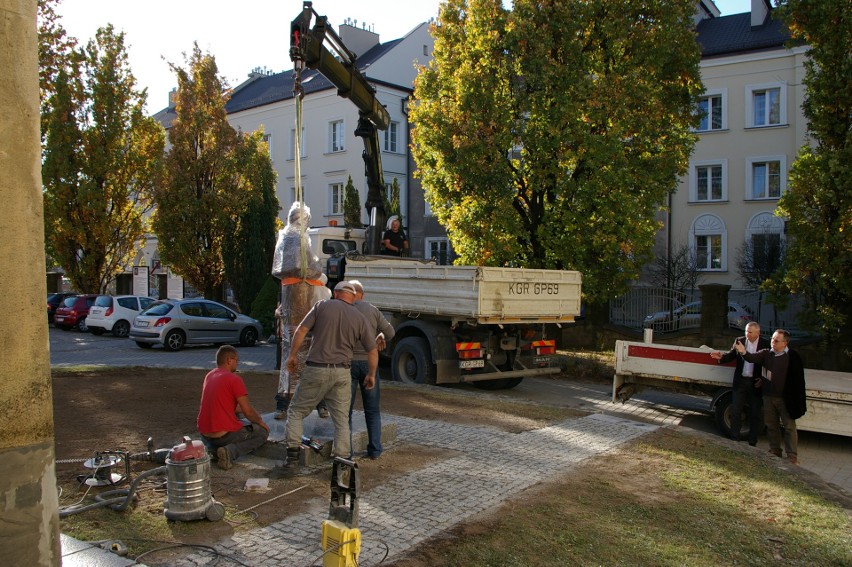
<point x="119" y="409"/>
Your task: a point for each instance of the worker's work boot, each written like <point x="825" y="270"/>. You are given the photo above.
<point x="291" y="465"/>
<point x="794" y="460"/>
<point x="776" y="452"/>
<point x="284" y="404"/>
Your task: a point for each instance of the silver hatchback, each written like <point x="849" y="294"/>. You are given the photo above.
<point x="175" y="323"/>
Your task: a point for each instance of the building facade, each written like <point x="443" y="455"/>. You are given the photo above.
<point x="751" y="129"/>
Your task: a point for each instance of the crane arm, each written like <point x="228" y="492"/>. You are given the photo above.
<point x="320" y="48"/>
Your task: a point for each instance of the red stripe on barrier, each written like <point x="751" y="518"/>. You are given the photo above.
<point x="655" y="353"/>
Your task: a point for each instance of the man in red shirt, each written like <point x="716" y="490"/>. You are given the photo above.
<point x="222" y="395"/>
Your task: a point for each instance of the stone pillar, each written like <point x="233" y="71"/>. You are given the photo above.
<point x="714" y="308"/>
<point x="29" y="522"/>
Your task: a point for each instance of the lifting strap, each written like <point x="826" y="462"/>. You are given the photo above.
<point x="298" y="94"/>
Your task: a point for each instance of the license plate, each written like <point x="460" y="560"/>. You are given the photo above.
<point x="541" y="359"/>
<point x="472" y="363"/>
<point x="142" y="324"/>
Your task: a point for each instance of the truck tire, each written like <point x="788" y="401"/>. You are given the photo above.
<point x="412" y="362"/>
<point x="499" y="384"/>
<point x="722" y="416"/>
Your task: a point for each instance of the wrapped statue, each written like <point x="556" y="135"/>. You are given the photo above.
<point x="302" y="286"/>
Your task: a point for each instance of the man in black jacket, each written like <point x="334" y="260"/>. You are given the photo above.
<point x="783" y="391"/>
<point x="746" y="386"/>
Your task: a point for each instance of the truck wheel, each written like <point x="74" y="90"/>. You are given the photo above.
<point x="722" y="417"/>
<point x="412" y="362"/>
<point x="499" y="384"/>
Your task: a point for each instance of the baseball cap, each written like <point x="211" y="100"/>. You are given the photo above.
<point x="345" y="286"/>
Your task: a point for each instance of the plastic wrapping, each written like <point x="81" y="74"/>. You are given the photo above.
<point x="288" y="258"/>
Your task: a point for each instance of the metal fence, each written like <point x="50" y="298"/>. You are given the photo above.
<point x="642" y="305"/>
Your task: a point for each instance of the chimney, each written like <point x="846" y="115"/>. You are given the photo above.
<point x="172" y="98"/>
<point x="759" y="12"/>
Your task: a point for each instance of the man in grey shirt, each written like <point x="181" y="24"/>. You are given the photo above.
<point x="360" y="371"/>
<point x="337" y="329"/>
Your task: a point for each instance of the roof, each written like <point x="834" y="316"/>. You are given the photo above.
<point x="267" y="89"/>
<point x="735" y="34"/>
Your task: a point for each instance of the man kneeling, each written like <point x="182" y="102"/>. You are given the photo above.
<point x="222" y="395"/>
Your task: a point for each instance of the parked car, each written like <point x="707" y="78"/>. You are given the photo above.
<point x="175" y="323"/>
<point x="53" y="301"/>
<point x="115" y="313"/>
<point x="689" y="315"/>
<point x="72" y="312"/>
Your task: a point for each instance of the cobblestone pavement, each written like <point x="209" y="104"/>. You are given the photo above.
<point x="484" y="468"/>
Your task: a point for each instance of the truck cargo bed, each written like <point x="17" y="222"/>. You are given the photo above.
<point x="485" y="294"/>
<point x="677" y="368"/>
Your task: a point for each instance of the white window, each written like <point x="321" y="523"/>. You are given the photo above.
<point x="765" y="238"/>
<point x="267" y="139"/>
<point x="336" y="136"/>
<point x="708" y="181"/>
<point x="766" y="177"/>
<point x="712" y="108"/>
<point x="291" y="154"/>
<point x="335" y="199"/>
<point x="438" y="249"/>
<point x="391" y="137"/>
<point x="709" y="242"/>
<point x="765" y="232"/>
<point x="766" y="105"/>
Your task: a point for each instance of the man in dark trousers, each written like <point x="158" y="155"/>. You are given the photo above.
<point x="783" y="379"/>
<point x="222" y="395"/>
<point x="360" y="367"/>
<point x="337" y="328"/>
<point x="746" y="387"/>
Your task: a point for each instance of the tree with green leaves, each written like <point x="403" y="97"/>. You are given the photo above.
<point x="55" y="52"/>
<point x="392" y="207"/>
<point x="549" y="135"/>
<point x="202" y="189"/>
<point x="818" y="200"/>
<point x="249" y="244"/>
<point x="101" y="157"/>
<point x="351" y="206"/>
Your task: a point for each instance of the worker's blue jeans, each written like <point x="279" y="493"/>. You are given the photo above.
<point x="370" y="399"/>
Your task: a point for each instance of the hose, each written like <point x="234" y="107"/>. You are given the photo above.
<point x="123" y="496"/>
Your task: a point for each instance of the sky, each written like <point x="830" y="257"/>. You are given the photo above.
<point x="241" y="35"/>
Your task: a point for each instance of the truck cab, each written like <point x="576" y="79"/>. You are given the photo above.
<point x="327" y="241"/>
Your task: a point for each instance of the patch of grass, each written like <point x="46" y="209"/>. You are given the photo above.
<point x="669" y="499"/>
<point x="593" y="366"/>
<point x="141" y="527"/>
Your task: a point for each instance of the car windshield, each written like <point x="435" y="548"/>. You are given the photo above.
<point x="158" y="309"/>
<point x="69" y="302"/>
<point x="103" y="301"/>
